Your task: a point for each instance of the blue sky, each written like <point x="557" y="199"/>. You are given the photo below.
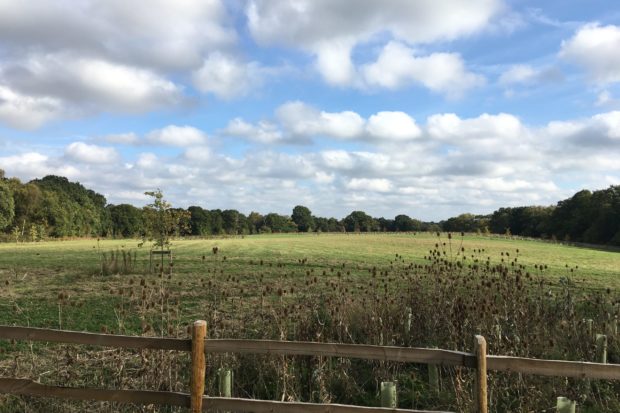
<point x="426" y="108"/>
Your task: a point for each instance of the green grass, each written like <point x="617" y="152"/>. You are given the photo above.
<point x="38" y="272"/>
<point x="347" y="288"/>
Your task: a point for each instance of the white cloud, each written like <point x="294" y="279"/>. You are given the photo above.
<point x="605" y="98"/>
<point x="263" y="132"/>
<point x="397" y="126"/>
<point x="303" y="120"/>
<point x="364" y="184"/>
<point x="524" y="75"/>
<point x="334" y="61"/>
<point x="595" y="48"/>
<point x="168" y="34"/>
<point x="310" y="22"/>
<point x="228" y="77"/>
<point x="450" y="127"/>
<point x="147" y="160"/>
<point x="199" y="154"/>
<point x="518" y="74"/>
<point x="337" y="159"/>
<point x="397" y="66"/>
<point x="174" y="135"/>
<point x="92" y="154"/>
<point x="27" y="112"/>
<point x="601" y="131"/>
<point x="80" y="81"/>
<point x="70" y="59"/>
<point x="454" y="165"/>
<point x="299" y="122"/>
<point x="30" y="165"/>
<point x="331" y="30"/>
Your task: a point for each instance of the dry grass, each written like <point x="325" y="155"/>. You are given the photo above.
<point x="388" y="290"/>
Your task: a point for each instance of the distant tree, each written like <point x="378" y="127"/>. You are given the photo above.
<point x="500" y="220"/>
<point x="384" y="224"/>
<point x="243" y="225"/>
<point x="7" y="205"/>
<point x="58" y="214"/>
<point x="359" y="221"/>
<point x="279" y="223"/>
<point x="230" y="221"/>
<point x="302" y="217"/>
<point x="406" y="224"/>
<point x="572" y="217"/>
<point x="604" y="217"/>
<point x="200" y="221"/>
<point x="335" y="225"/>
<point x="161" y="221"/>
<point x="217" y="222"/>
<point x="462" y="223"/>
<point x="255" y="222"/>
<point x="84" y="208"/>
<point x="126" y="220"/>
<point x="320" y="224"/>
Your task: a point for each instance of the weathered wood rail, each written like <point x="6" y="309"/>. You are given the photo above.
<point x="199" y="346"/>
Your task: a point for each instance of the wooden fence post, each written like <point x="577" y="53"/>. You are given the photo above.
<point x="590" y="327"/>
<point x="601" y="348"/>
<point x="224" y="382"/>
<point x="433" y="378"/>
<point x="480" y="350"/>
<point x="199" y="367"/>
<point x="564" y="405"/>
<point x="388" y="394"/>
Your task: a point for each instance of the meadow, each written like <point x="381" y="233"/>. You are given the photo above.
<point x="529" y="298"/>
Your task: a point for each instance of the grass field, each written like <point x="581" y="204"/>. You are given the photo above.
<point x="38" y="272"/>
<point x="529" y="298"/>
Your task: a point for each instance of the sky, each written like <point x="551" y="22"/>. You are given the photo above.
<point x="425" y="108"/>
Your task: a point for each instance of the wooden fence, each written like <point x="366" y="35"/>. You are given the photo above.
<point x="198" y="345"/>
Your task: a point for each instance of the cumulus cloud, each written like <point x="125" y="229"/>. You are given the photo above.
<point x="64" y="59"/>
<point x="393" y="125"/>
<point x="170" y="34"/>
<point x="331" y="30"/>
<point x="83" y="81"/>
<point x="450" y="165"/>
<point x="299" y="122"/>
<point x="518" y="74"/>
<point x="599" y="131"/>
<point x="595" y="48"/>
<point x="94" y="154"/>
<point x="174" y="135"/>
<point x="262" y="132"/>
<point x="451" y="127"/>
<point x="397" y="65"/>
<point x="301" y="119"/>
<point x="310" y="22"/>
<point x="523" y="74"/>
<point x="228" y="77"/>
<point x="30" y="165"/>
<point x="147" y="160"/>
<point x="364" y="184"/>
<point x="27" y="112"/>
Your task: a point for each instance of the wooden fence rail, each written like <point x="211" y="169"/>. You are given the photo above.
<point x="26" y="387"/>
<point x="199" y="346"/>
<point x="361" y="351"/>
<point x="107" y="340"/>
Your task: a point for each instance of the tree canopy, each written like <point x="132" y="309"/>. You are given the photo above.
<point x="55" y="207"/>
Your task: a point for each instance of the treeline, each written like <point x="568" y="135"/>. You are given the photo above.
<point x="54" y="207"/>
